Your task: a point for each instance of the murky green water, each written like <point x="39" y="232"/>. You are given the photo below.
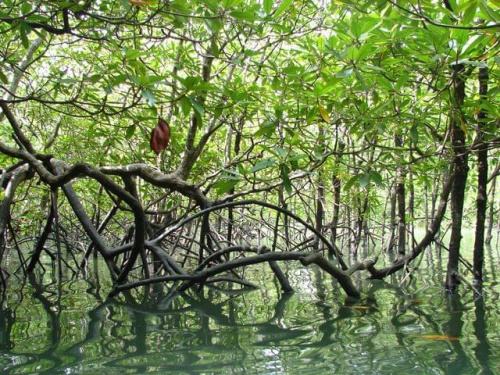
<point x="69" y="327"/>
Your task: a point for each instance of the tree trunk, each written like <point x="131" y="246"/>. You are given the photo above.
<point x="320" y="190"/>
<point x="411" y="210"/>
<point x="392" y="219"/>
<point x="461" y="168"/>
<point x="237" y="146"/>
<point x="320" y="211"/>
<point x="336" y="199"/>
<point x="491" y="212"/>
<point x="482" y="181"/>
<point x="401" y="203"/>
<point x="400" y="195"/>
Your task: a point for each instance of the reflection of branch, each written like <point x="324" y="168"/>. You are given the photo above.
<point x="306" y="258"/>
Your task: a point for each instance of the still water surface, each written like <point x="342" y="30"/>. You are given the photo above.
<point x="403" y="325"/>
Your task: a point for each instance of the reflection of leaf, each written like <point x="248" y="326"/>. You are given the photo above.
<point x="324" y="113"/>
<point x="358" y="307"/>
<point x="439" y="338"/>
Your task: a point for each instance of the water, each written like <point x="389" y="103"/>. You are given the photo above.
<point x="403" y="325"/>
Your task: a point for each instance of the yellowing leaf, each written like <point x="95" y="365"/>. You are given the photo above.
<point x="324" y="113"/>
<point x="496" y="3"/>
<point x="439" y="338"/>
<point x="139" y="3"/>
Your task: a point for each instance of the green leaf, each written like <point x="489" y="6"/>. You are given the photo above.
<point x="197" y="107"/>
<point x="350" y="182"/>
<point x="470" y="12"/>
<point x="244" y="16"/>
<point x="149" y="96"/>
<point x="364" y="179"/>
<point x="224" y="186"/>
<point x="265" y="163"/>
<point x="267" y="129"/>
<point x="3" y="78"/>
<point x="241" y="170"/>
<point x="364" y="51"/>
<point x="213" y="5"/>
<point x="473" y="41"/>
<point x="268" y="6"/>
<point x="132" y="54"/>
<point x="215" y="48"/>
<point x="185" y="105"/>
<point x="23" y="32"/>
<point x="25" y="7"/>
<point x="414" y="134"/>
<point x="130" y="131"/>
<point x="126" y="4"/>
<point x="231" y="3"/>
<point x="355" y="27"/>
<point x="344" y="73"/>
<point x="287" y="184"/>
<point x="282" y="8"/>
<point x="376" y="177"/>
<point x="281" y="152"/>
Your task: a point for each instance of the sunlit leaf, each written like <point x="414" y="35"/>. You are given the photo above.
<point x="267" y="5"/>
<point x="283" y="7"/>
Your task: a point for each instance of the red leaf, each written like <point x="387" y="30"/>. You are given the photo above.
<point x="160" y="136"/>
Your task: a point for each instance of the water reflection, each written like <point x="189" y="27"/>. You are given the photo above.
<point x="403" y="325"/>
